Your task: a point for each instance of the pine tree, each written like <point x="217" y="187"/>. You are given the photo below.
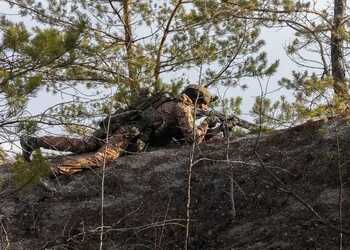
<point x="129" y="45"/>
<point x="320" y="47"/>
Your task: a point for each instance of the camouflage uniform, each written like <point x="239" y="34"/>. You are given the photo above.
<point x="170" y="118"/>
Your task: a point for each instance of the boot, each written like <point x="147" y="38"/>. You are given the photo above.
<point x="28" y="144"/>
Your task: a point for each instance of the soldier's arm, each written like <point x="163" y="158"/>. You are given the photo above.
<point x="186" y="123"/>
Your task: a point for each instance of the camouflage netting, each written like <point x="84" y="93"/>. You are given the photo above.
<point x="279" y="193"/>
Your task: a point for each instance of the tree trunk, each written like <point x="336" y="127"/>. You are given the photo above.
<point x="129" y="46"/>
<point x="337" y="56"/>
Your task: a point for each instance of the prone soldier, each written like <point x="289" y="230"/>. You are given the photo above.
<point x="131" y="130"/>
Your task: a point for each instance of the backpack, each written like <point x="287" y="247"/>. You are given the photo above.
<point x="139" y="113"/>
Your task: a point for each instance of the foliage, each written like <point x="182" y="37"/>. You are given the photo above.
<point x="320" y="46"/>
<point x="231" y="105"/>
<point x="274" y="114"/>
<point x="26" y="174"/>
<point x="3" y="158"/>
<point x="121" y="46"/>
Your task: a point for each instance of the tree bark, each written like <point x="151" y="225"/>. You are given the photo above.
<point x="164" y="37"/>
<point x="132" y="73"/>
<point x="337" y="55"/>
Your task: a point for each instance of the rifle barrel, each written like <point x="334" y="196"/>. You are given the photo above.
<point x="237" y="121"/>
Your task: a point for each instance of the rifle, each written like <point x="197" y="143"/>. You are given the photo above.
<point x="227" y="123"/>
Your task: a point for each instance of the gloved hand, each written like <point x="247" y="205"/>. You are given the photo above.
<point x="212" y="120"/>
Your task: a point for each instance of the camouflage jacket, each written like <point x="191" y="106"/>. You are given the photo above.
<point x="168" y="118"/>
<point x="177" y="114"/>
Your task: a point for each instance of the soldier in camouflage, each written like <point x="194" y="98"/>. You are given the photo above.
<point x="160" y="122"/>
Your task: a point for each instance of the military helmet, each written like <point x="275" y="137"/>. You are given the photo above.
<point x="193" y="91"/>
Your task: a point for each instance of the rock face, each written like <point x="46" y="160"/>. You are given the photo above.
<point x="277" y="191"/>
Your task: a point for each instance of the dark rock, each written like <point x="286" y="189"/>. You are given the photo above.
<point x="282" y="193"/>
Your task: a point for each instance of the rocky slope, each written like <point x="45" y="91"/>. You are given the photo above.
<point x="279" y="191"/>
